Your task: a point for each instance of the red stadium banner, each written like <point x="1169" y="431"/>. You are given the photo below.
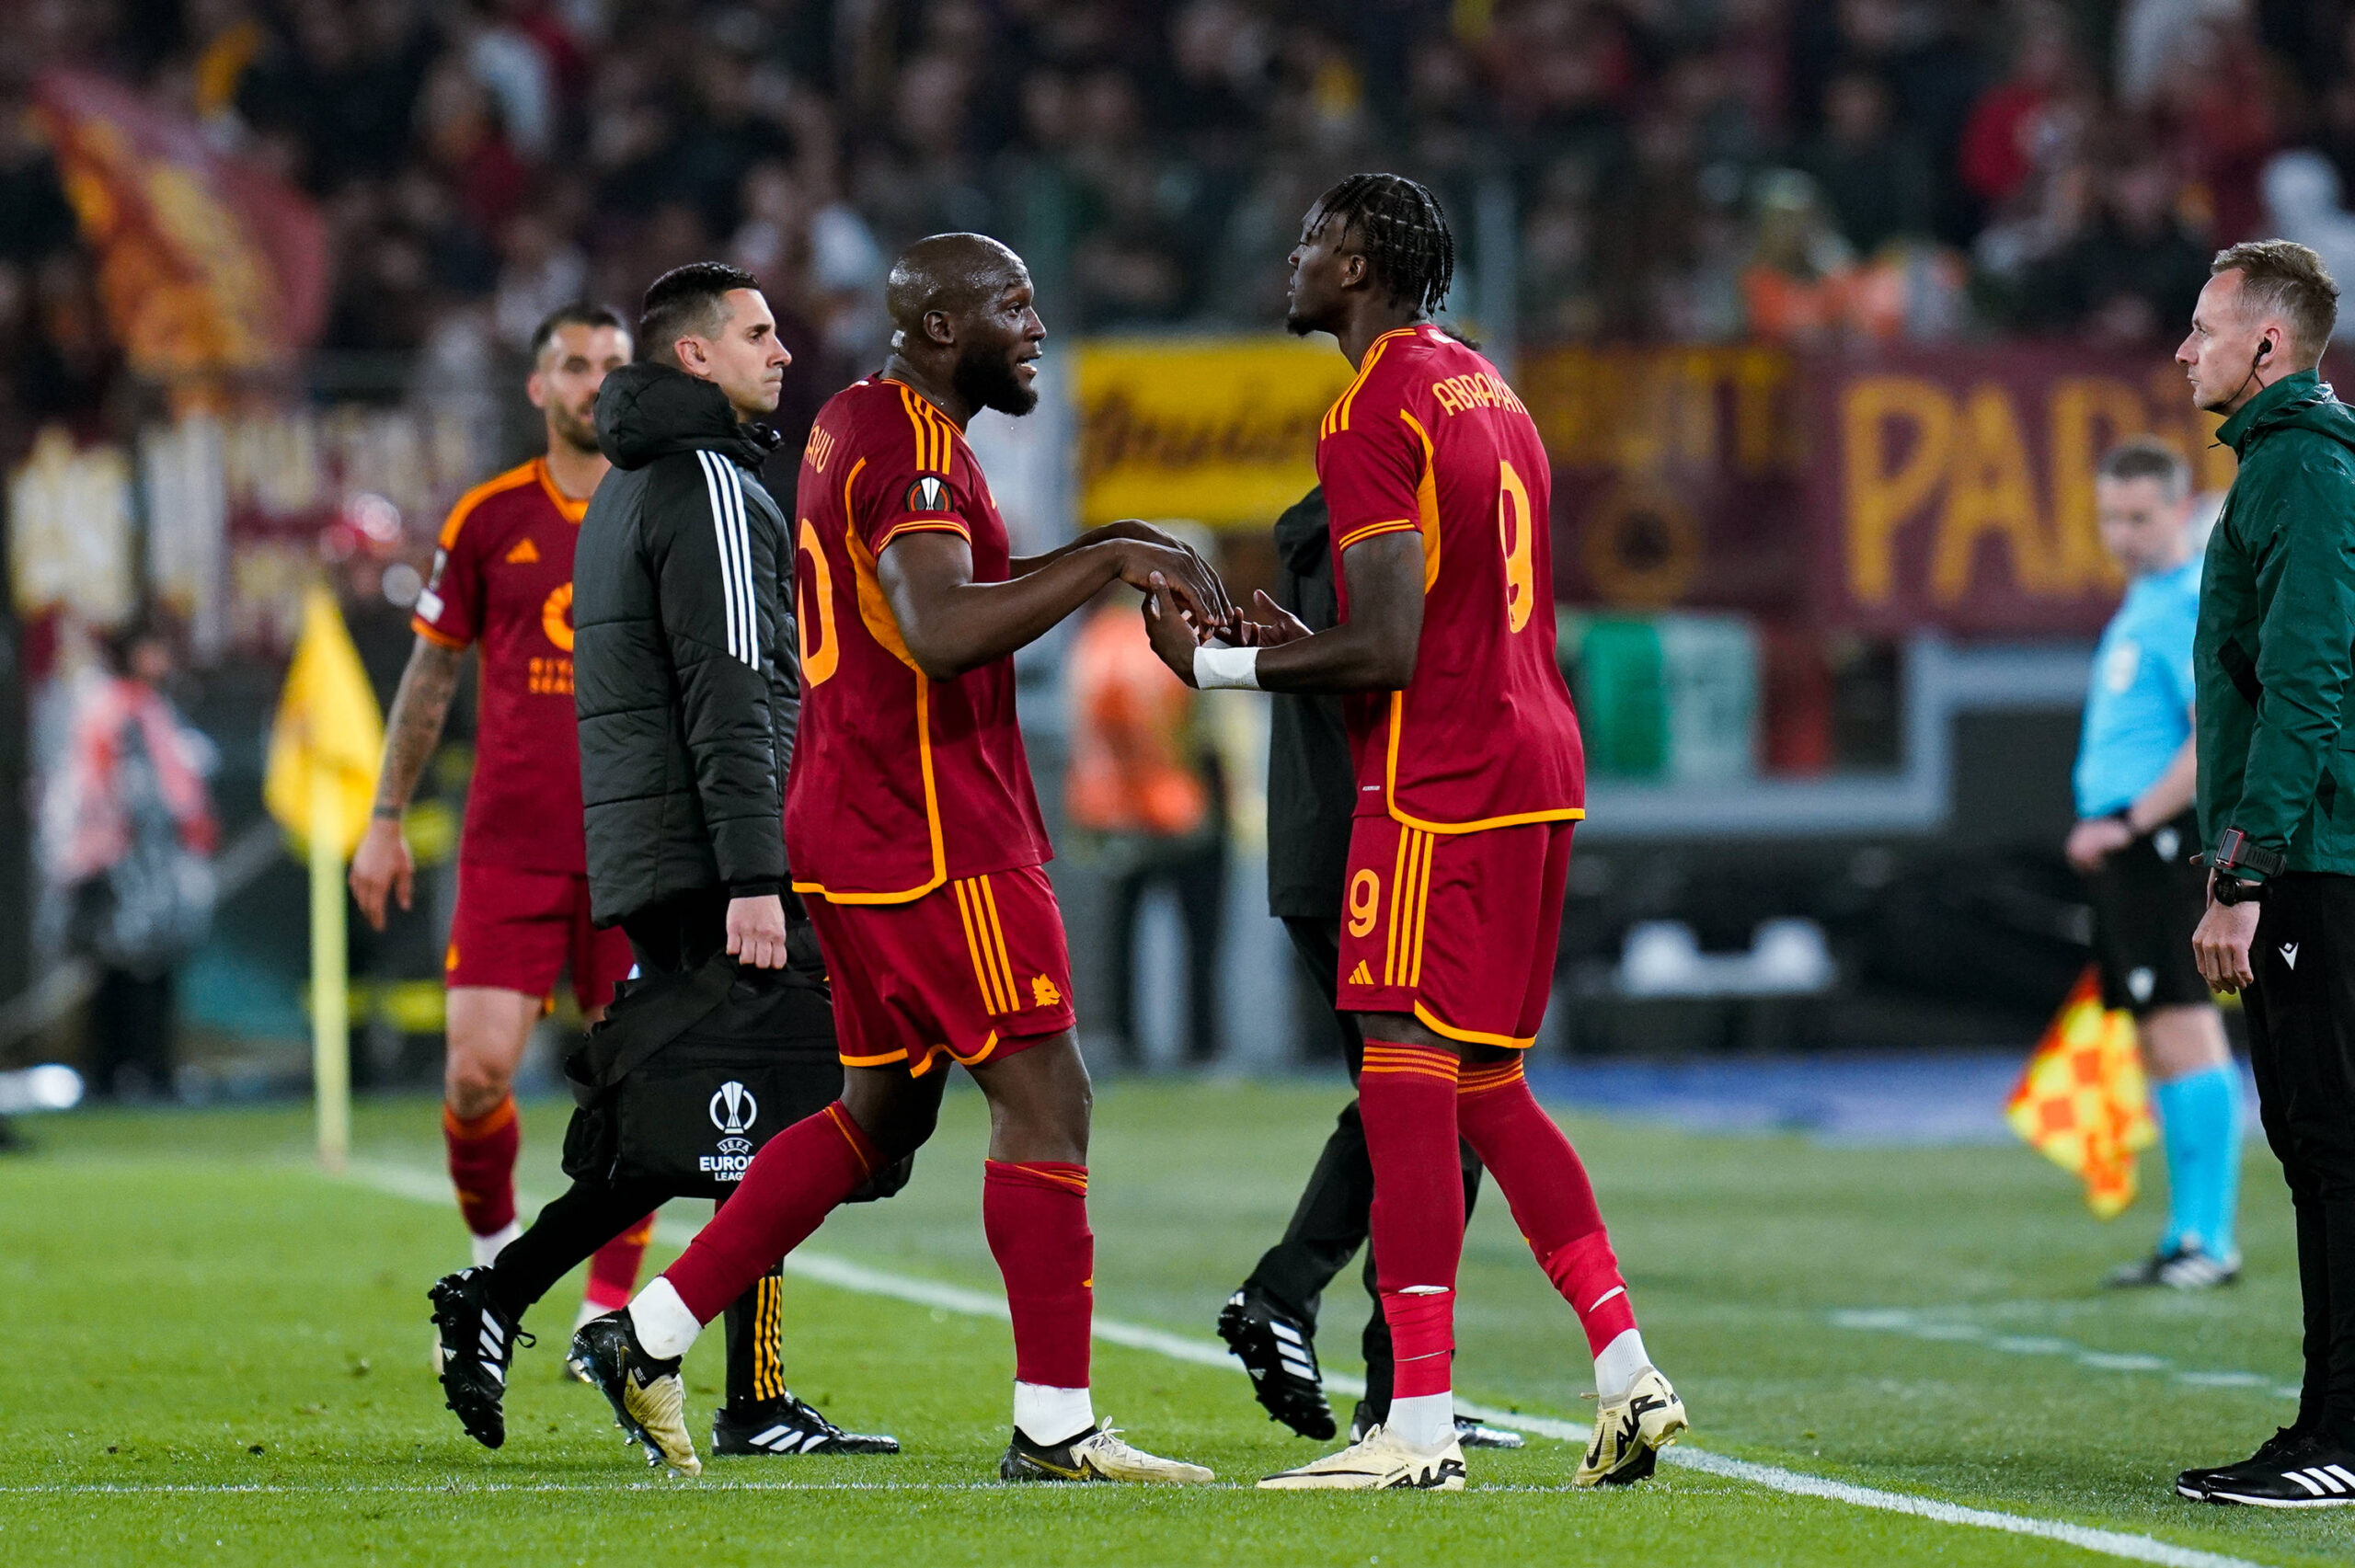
<point x="208" y="264"/>
<point x="1676" y="474"/>
<point x="1879" y="490"/>
<point x="1953" y="488"/>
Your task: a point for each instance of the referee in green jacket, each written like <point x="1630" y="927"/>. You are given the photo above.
<point x="2271" y="661"/>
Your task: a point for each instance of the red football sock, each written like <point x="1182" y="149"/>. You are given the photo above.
<point x="613" y="1269"/>
<point x="1035" y="1215"/>
<point x="797" y="1179"/>
<point x="482" y="1164"/>
<point x="1553" y="1201"/>
<point x="1406" y="1099"/>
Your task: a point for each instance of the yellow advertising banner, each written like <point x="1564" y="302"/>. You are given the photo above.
<point x="1222" y="430"/>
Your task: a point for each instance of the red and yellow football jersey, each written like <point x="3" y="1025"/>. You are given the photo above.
<point x="1430" y="440"/>
<point x="502" y="579"/>
<point x="900" y="783"/>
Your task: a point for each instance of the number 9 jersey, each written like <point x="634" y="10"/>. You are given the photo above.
<point x="1429" y="440"/>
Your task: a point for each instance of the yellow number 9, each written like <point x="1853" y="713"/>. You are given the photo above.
<point x="1515" y="533"/>
<point x="1365" y="901"/>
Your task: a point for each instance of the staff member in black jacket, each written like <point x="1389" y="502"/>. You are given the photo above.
<point x="1270" y="1322"/>
<point x="687" y="691"/>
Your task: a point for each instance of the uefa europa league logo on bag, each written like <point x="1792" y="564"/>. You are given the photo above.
<point x="733" y="1110"/>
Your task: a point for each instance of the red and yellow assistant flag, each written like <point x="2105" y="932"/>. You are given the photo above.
<point x="2081" y="1100"/>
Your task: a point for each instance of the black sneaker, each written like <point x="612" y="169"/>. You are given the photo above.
<point x="1280" y="1352"/>
<point x="1469" y="1433"/>
<point x="2178" y="1268"/>
<point x="788" y="1426"/>
<point x="2193" y="1483"/>
<point x="649" y="1400"/>
<point x="2310" y="1473"/>
<point x="477" y="1342"/>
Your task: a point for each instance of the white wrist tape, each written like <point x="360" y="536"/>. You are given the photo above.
<point x="1219" y="668"/>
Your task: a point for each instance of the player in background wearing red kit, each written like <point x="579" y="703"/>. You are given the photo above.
<point x="916" y="840"/>
<point x="1470" y="774"/>
<point x="502" y="580"/>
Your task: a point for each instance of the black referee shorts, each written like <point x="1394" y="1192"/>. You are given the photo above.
<point x="2147" y="899"/>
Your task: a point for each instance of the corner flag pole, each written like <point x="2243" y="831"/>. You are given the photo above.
<point x="330" y="982"/>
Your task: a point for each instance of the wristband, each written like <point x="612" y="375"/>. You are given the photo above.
<point x="2237" y="851"/>
<point x="1217" y="669"/>
<point x="388" y="813"/>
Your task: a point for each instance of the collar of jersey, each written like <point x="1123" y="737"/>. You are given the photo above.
<point x="572" y="511"/>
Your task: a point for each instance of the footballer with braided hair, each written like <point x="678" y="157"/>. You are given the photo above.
<point x="1470" y="777"/>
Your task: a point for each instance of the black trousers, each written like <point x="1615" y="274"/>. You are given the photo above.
<point x="1336" y="1212"/>
<point x="2302" y="1047"/>
<point x="1196" y="871"/>
<point x="671" y="937"/>
<point x="134" y="1021"/>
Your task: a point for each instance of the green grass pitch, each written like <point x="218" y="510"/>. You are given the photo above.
<point x="216" y="1354"/>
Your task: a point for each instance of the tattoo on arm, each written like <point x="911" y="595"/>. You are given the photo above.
<point x="420" y="709"/>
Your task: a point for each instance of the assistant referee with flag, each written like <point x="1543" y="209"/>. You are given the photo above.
<point x="2271" y="660"/>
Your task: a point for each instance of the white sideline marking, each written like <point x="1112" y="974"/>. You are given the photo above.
<point x="1936" y="1326"/>
<point x="432" y="1187"/>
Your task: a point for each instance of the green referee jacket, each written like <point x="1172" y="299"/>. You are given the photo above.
<point x="2276" y="642"/>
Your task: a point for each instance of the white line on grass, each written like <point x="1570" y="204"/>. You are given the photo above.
<point x="1940" y="1326"/>
<point x="409" y="1181"/>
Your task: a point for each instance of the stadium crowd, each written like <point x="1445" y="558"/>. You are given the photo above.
<point x="1699" y="169"/>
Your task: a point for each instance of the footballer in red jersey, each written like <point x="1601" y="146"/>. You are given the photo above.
<point x="916" y="839"/>
<point x="503" y="583"/>
<point x="1470" y="777"/>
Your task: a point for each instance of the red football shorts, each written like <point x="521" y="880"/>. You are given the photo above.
<point x="519" y="930"/>
<point x="1457" y="928"/>
<point x="972" y="971"/>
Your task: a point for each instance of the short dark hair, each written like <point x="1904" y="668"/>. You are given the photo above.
<point x="686" y="299"/>
<point x="2283" y="275"/>
<point x="2148" y="457"/>
<point x="579" y="312"/>
<point x="1400" y="229"/>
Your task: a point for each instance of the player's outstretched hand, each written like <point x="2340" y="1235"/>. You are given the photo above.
<point x="1277" y="626"/>
<point x="1166" y="628"/>
<point x="380" y="867"/>
<point x="1200" y="593"/>
<point x="756" y="932"/>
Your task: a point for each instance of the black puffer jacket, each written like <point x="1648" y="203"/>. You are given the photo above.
<point x="683" y="666"/>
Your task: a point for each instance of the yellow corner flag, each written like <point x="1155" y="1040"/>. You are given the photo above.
<point x="320" y="783"/>
<point x="2082" y="1102"/>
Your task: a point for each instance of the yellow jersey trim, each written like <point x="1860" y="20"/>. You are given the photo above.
<point x="924" y="525"/>
<point x="1470" y="1036"/>
<point x="514" y="478"/>
<point x="1336" y="419"/>
<point x="1395" y="525"/>
<point x="875" y="612"/>
<point x="572" y="511"/>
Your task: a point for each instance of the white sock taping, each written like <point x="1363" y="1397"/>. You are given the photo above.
<point x="1051" y="1416"/>
<point x="487" y="1248"/>
<point x="1620" y="1361"/>
<point x="665" y="1328"/>
<point x="1425" y="1423"/>
<point x="1217" y="669"/>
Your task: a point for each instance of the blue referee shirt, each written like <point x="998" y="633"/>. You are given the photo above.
<point x="2138" y="713"/>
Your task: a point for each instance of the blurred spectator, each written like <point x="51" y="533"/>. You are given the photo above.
<point x="2131" y="273"/>
<point x="1796" y="287"/>
<point x="2303" y="200"/>
<point x="2016" y="123"/>
<point x="1152" y="158"/>
<point x="1144" y="789"/>
<point x="128" y="840"/>
<point x="1873" y="176"/>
